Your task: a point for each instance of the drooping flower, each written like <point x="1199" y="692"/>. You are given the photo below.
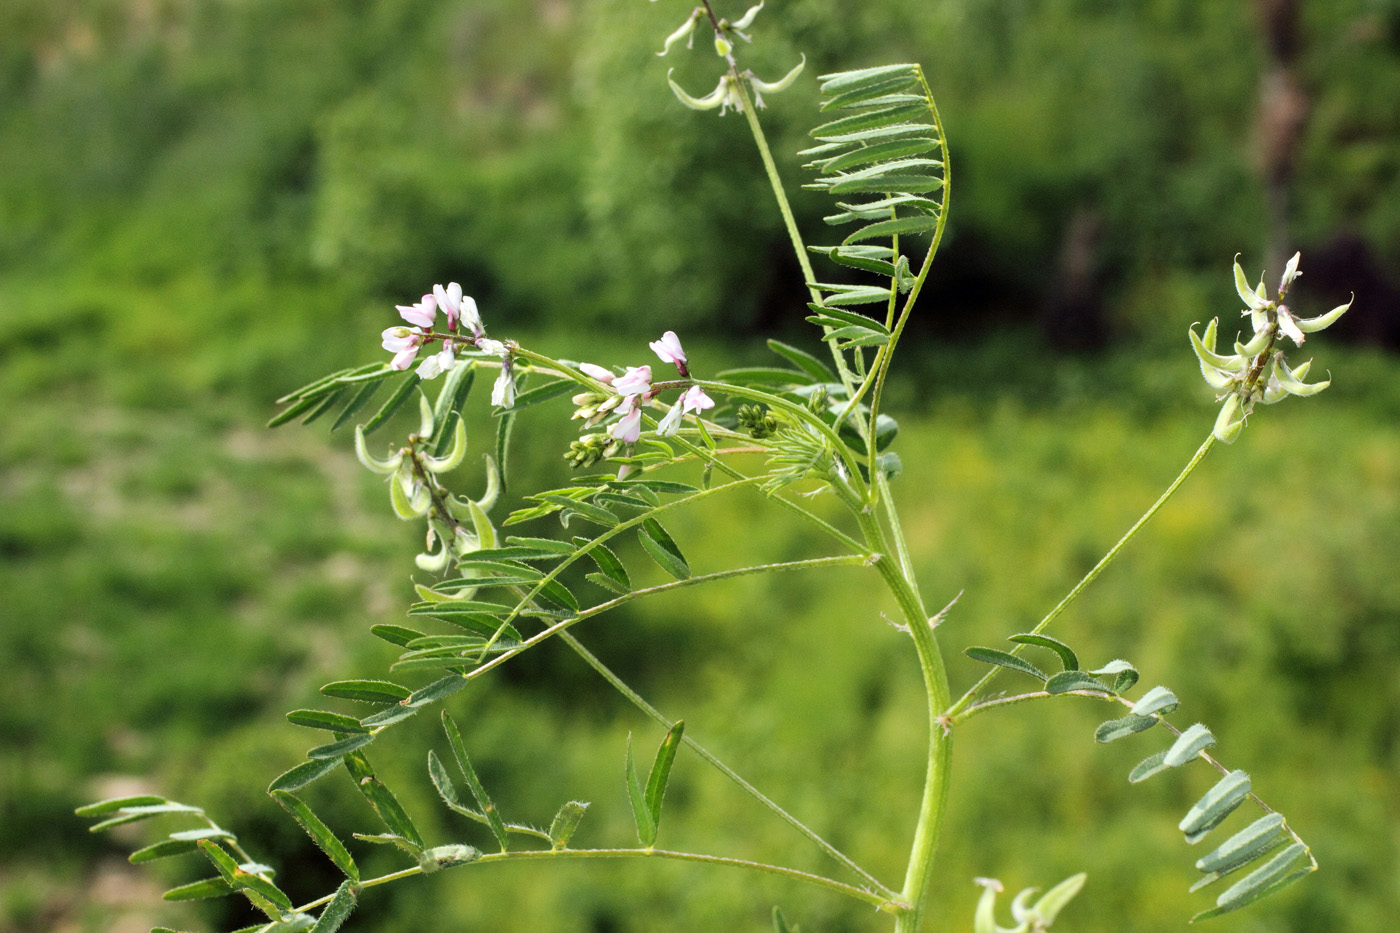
<point x="437" y="364"/>
<point x="403" y="342"/>
<point x="423" y="313"/>
<point x="672" y="422"/>
<point x="503" y="390"/>
<point x="696" y="400"/>
<point x="629" y="428"/>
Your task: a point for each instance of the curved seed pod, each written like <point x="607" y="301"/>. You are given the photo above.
<point x="455" y="455"/>
<point x="426" y="420"/>
<point x="379" y="466"/>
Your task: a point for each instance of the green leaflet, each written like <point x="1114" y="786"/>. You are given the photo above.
<point x="646" y="799"/>
<point x="483" y="800"/>
<point x="1004" y="659"/>
<point x="1218" y="803"/>
<point x="381" y="799"/>
<point x="565" y="822"/>
<point x="366" y="691"/>
<point x="199" y="890"/>
<point x="320" y="834"/>
<point x="1243" y="846"/>
<point x="338" y="910"/>
<point x="657" y="542"/>
<point x="1068" y="659"/>
<point x="321" y="719"/>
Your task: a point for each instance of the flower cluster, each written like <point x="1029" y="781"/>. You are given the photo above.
<point x="464" y="328"/>
<point x="1257" y="371"/>
<point x="632" y="390"/>
<point x="727" y="94"/>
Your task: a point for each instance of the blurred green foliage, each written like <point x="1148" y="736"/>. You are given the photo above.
<point x="203" y="205"/>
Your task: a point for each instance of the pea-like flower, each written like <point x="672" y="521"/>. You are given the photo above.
<point x="629" y="427"/>
<point x="636" y="381"/>
<point x="727" y="94"/>
<point x="403" y="342"/>
<point x="670" y="350"/>
<point x="694" y="400"/>
<point x="423" y="314"/>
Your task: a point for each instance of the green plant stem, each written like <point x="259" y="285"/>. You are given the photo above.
<point x="637" y="700"/>
<point x="940" y="749"/>
<point x="879" y="901"/>
<point x="564" y="624"/>
<point x="795" y="235"/>
<point x="967" y="698"/>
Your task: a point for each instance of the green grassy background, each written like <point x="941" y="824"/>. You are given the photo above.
<point x="202" y="207"/>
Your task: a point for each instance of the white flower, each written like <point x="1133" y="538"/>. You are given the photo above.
<point x="423" y="313"/>
<point x="487" y="345"/>
<point x="636" y="381"/>
<point x="672" y="422"/>
<point x="503" y="391"/>
<point x="437" y="364"/>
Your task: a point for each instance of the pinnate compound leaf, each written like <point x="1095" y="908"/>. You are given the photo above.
<point x="1244" y="846"/>
<point x="1188" y="745"/>
<point x="1068" y="659"/>
<point x="565" y="823"/>
<point x="483" y="800"/>
<point x="1004" y="659"/>
<point x="381" y="799"/>
<point x="335" y="914"/>
<point x="320" y="834"/>
<point x="657" y="542"/>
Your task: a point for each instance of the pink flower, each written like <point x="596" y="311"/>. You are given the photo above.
<point x="629" y="428"/>
<point x="696" y="400"/>
<point x="423" y="313"/>
<point x="670" y="350"/>
<point x="604" y="376"/>
<point x="636" y="381"/>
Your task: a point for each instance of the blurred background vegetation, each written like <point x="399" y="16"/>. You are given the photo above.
<point x="206" y="204"/>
